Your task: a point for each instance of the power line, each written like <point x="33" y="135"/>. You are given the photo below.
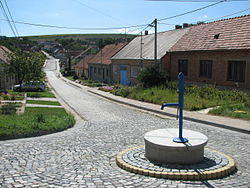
<point x="182" y="14"/>
<point x="218" y="18"/>
<point x="110" y="28"/>
<point x="228" y="15"/>
<point x="75" y="28"/>
<point x="11" y="16"/>
<point x="6" y="16"/>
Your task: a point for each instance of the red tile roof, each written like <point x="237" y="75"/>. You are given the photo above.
<point x="233" y="33"/>
<point x="4" y="54"/>
<point x="83" y="64"/>
<point x="104" y="56"/>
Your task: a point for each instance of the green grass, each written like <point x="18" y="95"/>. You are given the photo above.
<point x="34" y="122"/>
<point x="47" y="93"/>
<point x="43" y="102"/>
<point x="89" y="83"/>
<point x="234" y="110"/>
<point x="195" y="98"/>
<point x="70" y="78"/>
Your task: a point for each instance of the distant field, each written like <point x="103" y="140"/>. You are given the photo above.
<point x="77" y="36"/>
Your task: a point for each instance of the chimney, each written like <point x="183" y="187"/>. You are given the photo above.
<point x="185" y="25"/>
<point x="146" y="32"/>
<point x="178" y="27"/>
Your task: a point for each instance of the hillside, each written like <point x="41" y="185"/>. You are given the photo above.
<point x="79" y="36"/>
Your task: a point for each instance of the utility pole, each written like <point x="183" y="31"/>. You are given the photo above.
<point x="141" y="50"/>
<point x="155" y="25"/>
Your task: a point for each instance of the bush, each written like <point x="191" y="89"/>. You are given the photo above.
<point x="106" y="88"/>
<point x="121" y="91"/>
<point x="75" y="77"/>
<point x="8" y="109"/>
<point x="247" y="104"/>
<point x="151" y="76"/>
<point x="40" y="118"/>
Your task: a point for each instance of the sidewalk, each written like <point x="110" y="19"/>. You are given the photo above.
<point x="218" y="121"/>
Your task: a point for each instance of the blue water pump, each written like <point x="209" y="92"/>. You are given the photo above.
<point x="180" y="105"/>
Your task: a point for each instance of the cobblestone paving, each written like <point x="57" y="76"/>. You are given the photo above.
<point x="212" y="160"/>
<point x="84" y="156"/>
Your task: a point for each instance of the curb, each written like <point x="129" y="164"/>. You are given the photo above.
<point x="159" y="112"/>
<point x="194" y="176"/>
<point x="174" y="115"/>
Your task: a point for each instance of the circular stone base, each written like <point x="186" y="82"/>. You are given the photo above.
<point x="161" y="147"/>
<point x="214" y="165"/>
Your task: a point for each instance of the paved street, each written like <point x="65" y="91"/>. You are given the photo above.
<point x="84" y="156"/>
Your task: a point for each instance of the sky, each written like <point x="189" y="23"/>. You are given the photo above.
<point x="116" y="14"/>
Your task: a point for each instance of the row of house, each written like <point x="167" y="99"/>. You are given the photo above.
<point x="6" y="81"/>
<point x="215" y="53"/>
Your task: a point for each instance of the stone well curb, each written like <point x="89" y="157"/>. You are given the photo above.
<point x="206" y="175"/>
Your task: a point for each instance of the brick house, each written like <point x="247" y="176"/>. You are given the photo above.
<point x="100" y="67"/>
<point x="139" y="53"/>
<point x="6" y="81"/>
<point x="81" y="68"/>
<point x="215" y="53"/>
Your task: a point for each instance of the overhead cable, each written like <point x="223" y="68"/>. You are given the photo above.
<point x="195" y="10"/>
<point x="11" y="17"/>
<point x="7" y="18"/>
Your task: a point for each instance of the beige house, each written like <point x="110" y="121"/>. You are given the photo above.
<point x="139" y="53"/>
<point x="6" y="81"/>
<point x="100" y="67"/>
<point x="81" y="68"/>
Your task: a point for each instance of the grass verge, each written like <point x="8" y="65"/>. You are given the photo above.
<point x="47" y="93"/>
<point x="235" y="110"/>
<point x="89" y="83"/>
<point x="35" y="122"/>
<point x="196" y="98"/>
<point x="43" y="102"/>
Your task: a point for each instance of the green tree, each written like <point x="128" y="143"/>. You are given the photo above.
<point x="151" y="76"/>
<point x="26" y="66"/>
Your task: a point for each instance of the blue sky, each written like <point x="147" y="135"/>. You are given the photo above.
<point x="108" y="13"/>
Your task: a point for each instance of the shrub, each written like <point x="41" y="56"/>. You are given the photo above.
<point x="151" y="76"/>
<point x="8" y="109"/>
<point x="40" y="118"/>
<point x="247" y="103"/>
<point x="121" y="91"/>
<point x="75" y="77"/>
<point x="106" y="88"/>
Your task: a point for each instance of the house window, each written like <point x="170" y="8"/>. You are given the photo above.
<point x="134" y="71"/>
<point x="236" y="71"/>
<point x="206" y="68"/>
<point x="95" y="70"/>
<point x="183" y="66"/>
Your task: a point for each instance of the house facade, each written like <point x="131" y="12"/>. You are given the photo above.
<point x="215" y="53"/>
<point x="100" y="67"/>
<point x="6" y="81"/>
<point x="139" y="53"/>
<point x="81" y="68"/>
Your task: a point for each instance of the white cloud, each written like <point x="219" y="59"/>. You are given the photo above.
<point x="202" y="17"/>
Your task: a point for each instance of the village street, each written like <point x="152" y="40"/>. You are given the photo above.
<point x="84" y="156"/>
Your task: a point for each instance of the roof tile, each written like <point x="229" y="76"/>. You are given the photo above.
<point x="234" y="33"/>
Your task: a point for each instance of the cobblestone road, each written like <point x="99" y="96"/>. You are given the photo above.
<point x="84" y="156"/>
